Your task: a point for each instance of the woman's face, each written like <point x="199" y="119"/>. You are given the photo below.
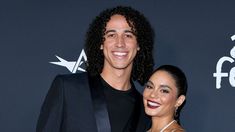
<point x="160" y="95"/>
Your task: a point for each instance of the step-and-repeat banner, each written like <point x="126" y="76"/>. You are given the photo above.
<point x="40" y="39"/>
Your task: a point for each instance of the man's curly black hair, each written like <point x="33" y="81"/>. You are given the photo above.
<point x="143" y="62"/>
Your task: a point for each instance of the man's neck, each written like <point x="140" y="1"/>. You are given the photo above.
<point x="118" y="79"/>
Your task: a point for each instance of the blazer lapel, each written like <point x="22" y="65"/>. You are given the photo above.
<point x="99" y="104"/>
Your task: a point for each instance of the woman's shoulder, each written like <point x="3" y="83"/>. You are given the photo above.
<point x="172" y="130"/>
<point x="177" y="130"/>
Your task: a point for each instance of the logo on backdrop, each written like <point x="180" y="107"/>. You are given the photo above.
<point x="72" y="66"/>
<point x="219" y="74"/>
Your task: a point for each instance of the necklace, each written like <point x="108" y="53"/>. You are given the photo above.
<point x="165" y="127"/>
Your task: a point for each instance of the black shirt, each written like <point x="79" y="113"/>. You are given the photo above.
<point x="121" y="106"/>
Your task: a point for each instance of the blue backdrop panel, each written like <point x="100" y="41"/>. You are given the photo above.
<point x="197" y="36"/>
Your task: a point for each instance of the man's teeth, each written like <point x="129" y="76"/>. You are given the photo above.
<point x="119" y="53"/>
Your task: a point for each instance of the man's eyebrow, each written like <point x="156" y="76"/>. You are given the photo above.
<point x="129" y="31"/>
<point x="108" y="31"/>
<point x="113" y="30"/>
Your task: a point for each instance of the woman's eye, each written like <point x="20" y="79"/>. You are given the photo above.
<point x="148" y="86"/>
<point x="164" y="91"/>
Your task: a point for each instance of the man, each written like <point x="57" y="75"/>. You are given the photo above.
<point x="119" y="45"/>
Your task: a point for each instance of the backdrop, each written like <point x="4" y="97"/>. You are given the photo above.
<point x="40" y="39"/>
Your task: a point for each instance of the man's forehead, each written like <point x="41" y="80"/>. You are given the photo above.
<point x="118" y="30"/>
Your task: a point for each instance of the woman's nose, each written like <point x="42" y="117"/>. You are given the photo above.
<point x="153" y="94"/>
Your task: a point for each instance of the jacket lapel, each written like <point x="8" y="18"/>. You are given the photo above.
<point x="99" y="104"/>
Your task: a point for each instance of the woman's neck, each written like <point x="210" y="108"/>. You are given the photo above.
<point x="158" y="123"/>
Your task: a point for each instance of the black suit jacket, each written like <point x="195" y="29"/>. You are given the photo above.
<point x="75" y="103"/>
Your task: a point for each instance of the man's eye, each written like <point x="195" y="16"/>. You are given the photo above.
<point x="129" y="35"/>
<point x="111" y="35"/>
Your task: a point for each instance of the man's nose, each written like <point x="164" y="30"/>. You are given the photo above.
<point x="120" y="41"/>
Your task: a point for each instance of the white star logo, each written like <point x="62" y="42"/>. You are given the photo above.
<point x="72" y="66"/>
<point x="233" y="37"/>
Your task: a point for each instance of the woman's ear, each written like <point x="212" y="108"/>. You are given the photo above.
<point x="180" y="100"/>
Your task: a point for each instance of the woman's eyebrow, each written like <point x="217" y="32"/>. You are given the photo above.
<point x="149" y="81"/>
<point x="166" y="86"/>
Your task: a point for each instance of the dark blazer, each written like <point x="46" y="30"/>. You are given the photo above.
<point x="75" y="103"/>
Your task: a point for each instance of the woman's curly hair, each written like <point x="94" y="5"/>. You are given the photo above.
<point x="143" y="62"/>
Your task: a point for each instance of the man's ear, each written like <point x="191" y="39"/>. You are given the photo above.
<point x="180" y="100"/>
<point x="101" y="46"/>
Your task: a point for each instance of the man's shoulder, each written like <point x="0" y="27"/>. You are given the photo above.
<point x="74" y="76"/>
<point x="72" y="82"/>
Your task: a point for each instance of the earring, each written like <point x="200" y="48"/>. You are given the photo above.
<point x="176" y="112"/>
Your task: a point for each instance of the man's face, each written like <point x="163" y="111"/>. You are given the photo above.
<point x="120" y="44"/>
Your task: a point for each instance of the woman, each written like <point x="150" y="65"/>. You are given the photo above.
<point x="164" y="94"/>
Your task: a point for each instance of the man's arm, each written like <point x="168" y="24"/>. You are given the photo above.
<point x="51" y="111"/>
